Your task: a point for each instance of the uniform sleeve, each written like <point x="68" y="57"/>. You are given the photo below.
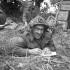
<point x="18" y="46"/>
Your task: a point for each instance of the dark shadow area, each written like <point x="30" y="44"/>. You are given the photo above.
<point x="68" y="20"/>
<point x="12" y="7"/>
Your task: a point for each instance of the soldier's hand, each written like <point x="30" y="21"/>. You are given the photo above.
<point x="35" y="51"/>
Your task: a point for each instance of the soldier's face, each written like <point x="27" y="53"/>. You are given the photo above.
<point x="38" y="31"/>
<point x="30" y="2"/>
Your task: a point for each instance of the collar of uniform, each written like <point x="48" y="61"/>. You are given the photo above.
<point x="31" y="37"/>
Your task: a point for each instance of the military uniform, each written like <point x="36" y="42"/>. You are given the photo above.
<point x="20" y="45"/>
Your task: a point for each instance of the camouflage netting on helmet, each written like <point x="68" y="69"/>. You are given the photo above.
<point x="38" y="20"/>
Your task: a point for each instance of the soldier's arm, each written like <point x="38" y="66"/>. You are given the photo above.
<point x="18" y="46"/>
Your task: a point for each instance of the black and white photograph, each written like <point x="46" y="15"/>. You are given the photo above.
<point x="34" y="34"/>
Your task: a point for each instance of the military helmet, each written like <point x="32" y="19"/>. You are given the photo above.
<point x="38" y="20"/>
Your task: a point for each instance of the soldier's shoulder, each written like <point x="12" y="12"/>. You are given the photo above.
<point x="26" y="34"/>
<point x="48" y="35"/>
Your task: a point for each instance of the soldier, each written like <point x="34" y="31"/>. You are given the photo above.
<point x="34" y="41"/>
<point x="30" y="11"/>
